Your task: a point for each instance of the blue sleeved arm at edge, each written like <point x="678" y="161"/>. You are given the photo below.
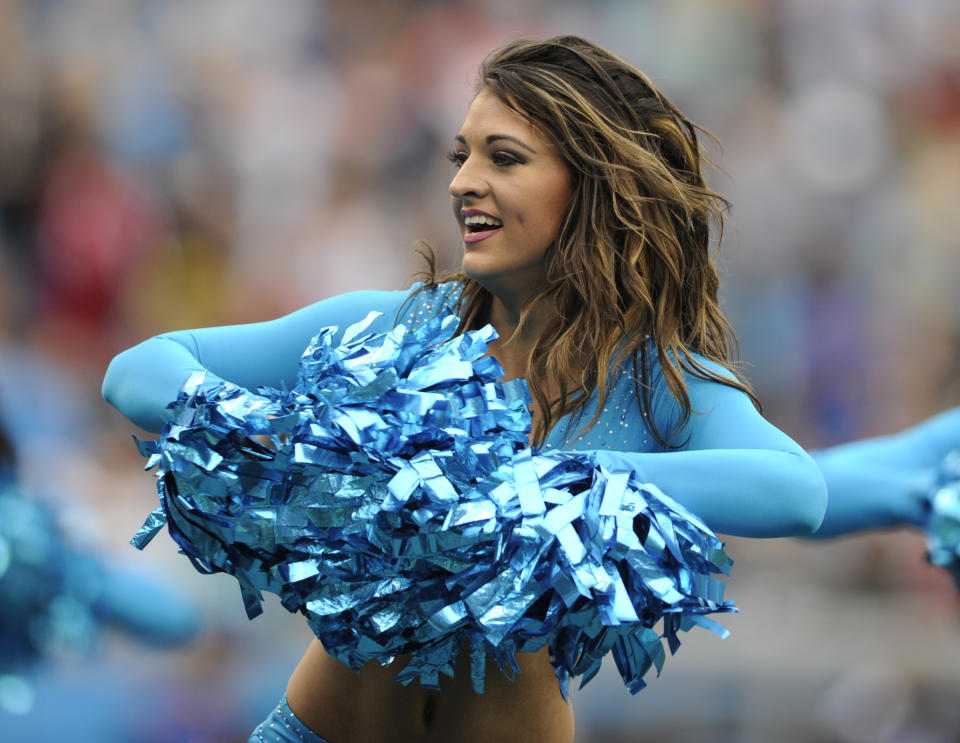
<point x="881" y="482"/>
<point x="736" y="471"/>
<point x="141" y="381"/>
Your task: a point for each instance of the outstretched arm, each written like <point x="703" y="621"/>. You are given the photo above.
<point x="881" y="482"/>
<point x="143" y="380"/>
<point x="736" y="471"/>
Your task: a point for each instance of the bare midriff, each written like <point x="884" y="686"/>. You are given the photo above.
<point x="343" y="706"/>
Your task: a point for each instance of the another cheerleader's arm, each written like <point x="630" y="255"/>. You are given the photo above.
<point x="736" y="471"/>
<point x="143" y="380"/>
<point x="882" y="482"/>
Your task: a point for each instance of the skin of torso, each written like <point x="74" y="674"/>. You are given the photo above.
<point x="343" y="706"/>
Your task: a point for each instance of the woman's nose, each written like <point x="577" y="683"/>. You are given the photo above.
<point x="467" y="183"/>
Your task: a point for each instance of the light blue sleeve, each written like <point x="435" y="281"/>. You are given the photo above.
<point x="881" y="482"/>
<point x="734" y="469"/>
<point x="143" y="380"/>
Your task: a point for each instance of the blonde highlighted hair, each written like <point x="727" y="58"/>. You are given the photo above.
<point x="632" y="261"/>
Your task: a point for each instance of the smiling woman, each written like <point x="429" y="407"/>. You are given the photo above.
<point x="586" y="226"/>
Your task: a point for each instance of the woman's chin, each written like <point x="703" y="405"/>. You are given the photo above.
<point x="476" y="270"/>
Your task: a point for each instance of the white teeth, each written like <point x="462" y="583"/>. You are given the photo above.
<point x="478" y="219"/>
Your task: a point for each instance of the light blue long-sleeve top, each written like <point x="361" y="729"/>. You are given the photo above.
<point x="738" y="472"/>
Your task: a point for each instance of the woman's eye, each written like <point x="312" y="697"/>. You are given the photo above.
<point x="505" y="158"/>
<point x="499" y="158"/>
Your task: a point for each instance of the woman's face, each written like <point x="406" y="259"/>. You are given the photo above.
<point x="510" y="195"/>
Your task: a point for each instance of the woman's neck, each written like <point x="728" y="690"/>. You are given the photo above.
<point x="515" y="342"/>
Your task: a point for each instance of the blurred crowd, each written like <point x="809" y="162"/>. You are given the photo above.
<point x="178" y="163"/>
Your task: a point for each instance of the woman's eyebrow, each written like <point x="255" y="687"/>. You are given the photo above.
<point x="491" y="138"/>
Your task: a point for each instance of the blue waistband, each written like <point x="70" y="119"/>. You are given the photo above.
<point x="282" y="726"/>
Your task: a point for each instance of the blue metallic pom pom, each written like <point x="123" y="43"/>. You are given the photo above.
<point x="391" y="497"/>
<point x="943" y="524"/>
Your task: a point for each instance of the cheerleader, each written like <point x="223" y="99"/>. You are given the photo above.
<point x="586" y="221"/>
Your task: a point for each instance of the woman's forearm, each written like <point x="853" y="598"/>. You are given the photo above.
<point x="882" y="482"/>
<point x="863" y="494"/>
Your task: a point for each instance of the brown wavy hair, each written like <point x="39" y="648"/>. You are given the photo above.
<point x="632" y="260"/>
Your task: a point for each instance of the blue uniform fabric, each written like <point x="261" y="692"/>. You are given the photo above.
<point x="734" y="469"/>
<point x="282" y="726"/>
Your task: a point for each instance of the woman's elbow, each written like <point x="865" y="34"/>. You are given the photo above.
<point x="810" y="500"/>
<point x="113" y="381"/>
<point x="125" y="387"/>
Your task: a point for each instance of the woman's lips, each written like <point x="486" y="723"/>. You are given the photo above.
<point x="474" y="237"/>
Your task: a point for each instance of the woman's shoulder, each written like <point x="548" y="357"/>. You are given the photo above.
<point x="695" y="367"/>
<point x="424" y="302"/>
